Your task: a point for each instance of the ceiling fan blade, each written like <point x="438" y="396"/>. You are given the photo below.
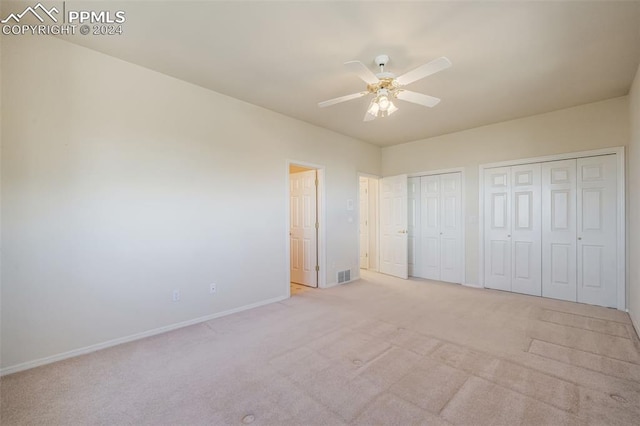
<point x="362" y="71"/>
<point x="341" y="99"/>
<point x="424" y="70"/>
<point x="418" y="98"/>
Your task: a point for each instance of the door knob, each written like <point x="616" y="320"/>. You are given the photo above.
<point x="508" y="235"/>
<point x="579" y="238"/>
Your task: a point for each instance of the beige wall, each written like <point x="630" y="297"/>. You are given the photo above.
<point x="591" y="126"/>
<point x="634" y="203"/>
<point x="120" y="184"/>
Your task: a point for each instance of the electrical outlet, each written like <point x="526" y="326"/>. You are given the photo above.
<point x="212" y="288"/>
<point x="176" y="295"/>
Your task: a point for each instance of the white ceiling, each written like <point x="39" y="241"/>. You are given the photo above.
<point x="510" y="59"/>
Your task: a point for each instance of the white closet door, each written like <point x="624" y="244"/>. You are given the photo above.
<point x="526" y="230"/>
<point x="597" y="228"/>
<point x="451" y="228"/>
<point x="559" y="230"/>
<point x="430" y="224"/>
<point x="497" y="228"/>
<point x="413" y="196"/>
<point x="393" y="226"/>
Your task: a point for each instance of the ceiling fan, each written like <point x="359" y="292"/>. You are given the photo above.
<point x="386" y="87"/>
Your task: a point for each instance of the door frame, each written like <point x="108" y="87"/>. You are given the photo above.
<point x="463" y="221"/>
<point x="621" y="289"/>
<point x="321" y="207"/>
<point x="376" y="226"/>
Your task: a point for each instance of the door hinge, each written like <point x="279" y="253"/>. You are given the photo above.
<point x="317" y="268"/>
<point x="317" y="225"/>
<point x="317" y="182"/>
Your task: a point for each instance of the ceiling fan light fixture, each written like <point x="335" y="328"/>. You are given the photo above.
<point x="392" y="108"/>
<point x="384" y="102"/>
<point x="373" y="109"/>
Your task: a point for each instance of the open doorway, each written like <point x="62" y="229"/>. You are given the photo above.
<point x="304" y="239"/>
<point x="368" y="221"/>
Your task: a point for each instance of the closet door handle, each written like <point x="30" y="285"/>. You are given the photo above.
<point x="579" y="238"/>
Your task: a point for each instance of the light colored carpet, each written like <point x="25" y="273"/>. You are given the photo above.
<point x="379" y="351"/>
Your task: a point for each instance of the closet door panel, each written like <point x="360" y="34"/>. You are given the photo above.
<point x="526" y="230"/>
<point x="451" y="228"/>
<point x="559" y="275"/>
<point x="430" y="215"/>
<point x="497" y="228"/>
<point x="413" y="197"/>
<point x="597" y="230"/>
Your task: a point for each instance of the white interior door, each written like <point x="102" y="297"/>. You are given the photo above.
<point x="430" y="223"/>
<point x="364" y="223"/>
<point x="497" y="228"/>
<point x="597" y="229"/>
<point x="526" y="230"/>
<point x="393" y="226"/>
<point x="303" y="231"/>
<point x="451" y="228"/>
<point x="413" y="226"/>
<point x="559" y="230"/>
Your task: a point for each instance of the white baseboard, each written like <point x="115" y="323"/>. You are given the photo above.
<point x="88" y="349"/>
<point x="472" y="285"/>
<point x="635" y="322"/>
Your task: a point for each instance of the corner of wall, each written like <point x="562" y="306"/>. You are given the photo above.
<point x="633" y="195"/>
<point x="1" y="110"/>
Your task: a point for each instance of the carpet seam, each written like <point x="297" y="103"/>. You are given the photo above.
<point x="587" y="329"/>
<point x="454" y="394"/>
<point x="592" y="353"/>
<point x="586" y="368"/>
<point x="585" y="386"/>
<point x="584" y="316"/>
<point x="477" y="375"/>
<point x="531" y="397"/>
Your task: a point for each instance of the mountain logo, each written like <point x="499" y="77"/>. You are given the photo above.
<point x="34" y="11"/>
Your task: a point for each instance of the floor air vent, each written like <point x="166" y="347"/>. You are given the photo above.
<point x="344" y="276"/>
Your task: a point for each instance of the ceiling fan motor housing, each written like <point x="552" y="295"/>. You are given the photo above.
<point x="382" y="60"/>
